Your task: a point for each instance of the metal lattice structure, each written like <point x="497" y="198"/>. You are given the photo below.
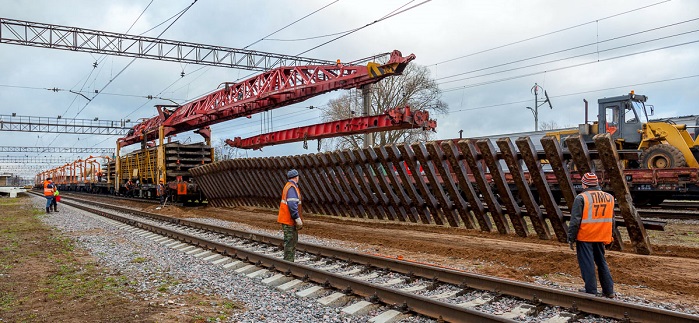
<point x="34" y="160"/>
<point x="57" y="150"/>
<point x="270" y="90"/>
<point x="36" y="34"/>
<point x="392" y="119"/>
<point x="23" y="169"/>
<point x="64" y="125"/>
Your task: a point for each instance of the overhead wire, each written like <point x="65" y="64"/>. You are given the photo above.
<point x="569" y="49"/>
<point x="97" y="63"/>
<point x="209" y="67"/>
<point x="567" y="67"/>
<point x="149" y="96"/>
<point x="280" y="29"/>
<point x="392" y="14"/>
<point x="135" y="58"/>
<point x="333" y="34"/>
<point x="577" y="93"/>
<point x="572" y="57"/>
<point x="570" y="28"/>
<point x="178" y="16"/>
<point x="287" y="26"/>
<point x="549" y="33"/>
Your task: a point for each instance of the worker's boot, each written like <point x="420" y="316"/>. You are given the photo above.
<point x="55" y="208"/>
<point x="48" y="210"/>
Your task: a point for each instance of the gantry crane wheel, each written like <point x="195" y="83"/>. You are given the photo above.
<point x="662" y="156"/>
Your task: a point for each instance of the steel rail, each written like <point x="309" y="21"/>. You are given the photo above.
<point x="124" y="198"/>
<point x="416" y="303"/>
<point x="535" y="293"/>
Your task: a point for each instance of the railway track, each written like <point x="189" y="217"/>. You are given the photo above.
<point x="432" y="291"/>
<point x="680" y="210"/>
<point x="115" y="197"/>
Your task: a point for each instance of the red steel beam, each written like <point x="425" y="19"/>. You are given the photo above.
<point x="270" y="90"/>
<point x="393" y="119"/>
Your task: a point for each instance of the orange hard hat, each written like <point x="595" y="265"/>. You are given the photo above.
<point x="162" y="181"/>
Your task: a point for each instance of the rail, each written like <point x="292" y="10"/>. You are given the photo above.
<point x="535" y="293"/>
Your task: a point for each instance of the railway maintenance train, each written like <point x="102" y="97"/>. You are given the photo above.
<point x="655" y="154"/>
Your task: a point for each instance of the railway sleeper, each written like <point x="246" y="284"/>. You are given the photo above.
<point x="244" y="261"/>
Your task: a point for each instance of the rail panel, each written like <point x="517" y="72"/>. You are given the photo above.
<point x="457" y="183"/>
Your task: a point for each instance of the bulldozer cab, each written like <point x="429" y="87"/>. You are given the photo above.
<point x="621" y="117"/>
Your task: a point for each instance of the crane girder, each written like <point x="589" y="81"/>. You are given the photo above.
<point x="270" y="90"/>
<point x="392" y="119"/>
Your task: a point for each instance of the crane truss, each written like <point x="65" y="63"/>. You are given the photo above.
<point x="393" y="119"/>
<point x="36" y="34"/>
<point x="64" y="125"/>
<point x="57" y="150"/>
<point x="33" y="160"/>
<point x="270" y="90"/>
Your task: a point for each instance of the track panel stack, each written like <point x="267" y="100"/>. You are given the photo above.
<point x="474" y="184"/>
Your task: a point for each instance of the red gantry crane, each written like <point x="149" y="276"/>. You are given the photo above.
<point x="392" y="119"/>
<point x="270" y="90"/>
<point x="276" y="88"/>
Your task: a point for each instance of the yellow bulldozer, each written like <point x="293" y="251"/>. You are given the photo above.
<point x="663" y="144"/>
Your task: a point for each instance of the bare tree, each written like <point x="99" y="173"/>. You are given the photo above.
<point x="415" y="88"/>
<point x="553" y="125"/>
<point x="223" y="151"/>
<point x="549" y="125"/>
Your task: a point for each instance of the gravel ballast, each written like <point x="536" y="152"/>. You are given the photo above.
<point x="159" y="266"/>
<point x="162" y="272"/>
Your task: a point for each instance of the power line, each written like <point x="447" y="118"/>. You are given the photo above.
<point x="297" y="20"/>
<point x="578" y="47"/>
<point x="333" y="34"/>
<point x="139" y="16"/>
<point x="98" y="61"/>
<point x="549" y="33"/>
<point x="209" y="67"/>
<point x="576" y="93"/>
<point x="570" y="57"/>
<point x="567" y="67"/>
<point x="134" y="59"/>
<point x="149" y="96"/>
<point x="94" y="66"/>
<point x="393" y="14"/>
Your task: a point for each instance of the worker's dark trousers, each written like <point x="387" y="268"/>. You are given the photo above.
<point x="589" y="255"/>
<point x="291" y="237"/>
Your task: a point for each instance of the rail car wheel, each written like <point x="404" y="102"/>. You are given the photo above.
<point x="662" y="156"/>
<point x="640" y="200"/>
<point x="655" y="201"/>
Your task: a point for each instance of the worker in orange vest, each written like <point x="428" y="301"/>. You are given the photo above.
<point x="49" y="189"/>
<point x="290" y="214"/>
<point x="590" y="229"/>
<point x="160" y="191"/>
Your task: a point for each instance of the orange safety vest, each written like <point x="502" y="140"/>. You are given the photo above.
<point x="48" y="191"/>
<point x="597" y="217"/>
<point x="284" y="214"/>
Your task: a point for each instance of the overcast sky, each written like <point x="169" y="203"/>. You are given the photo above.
<point x="463" y="43"/>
